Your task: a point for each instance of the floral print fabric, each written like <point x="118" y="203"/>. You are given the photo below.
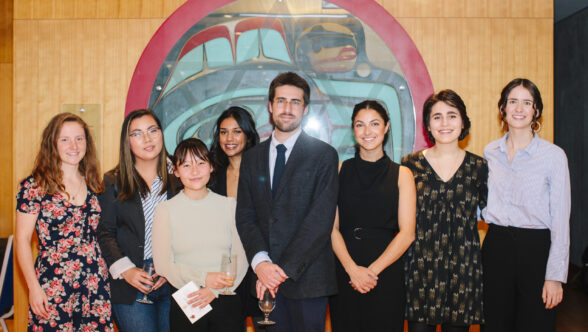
<point x="69" y="266"/>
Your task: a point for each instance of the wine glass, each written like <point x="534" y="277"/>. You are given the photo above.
<point x="149" y="268"/>
<point x="229" y="268"/>
<point x="267" y="305"/>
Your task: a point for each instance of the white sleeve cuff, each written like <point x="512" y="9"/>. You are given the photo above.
<point x="120" y="266"/>
<point x="260" y="257"/>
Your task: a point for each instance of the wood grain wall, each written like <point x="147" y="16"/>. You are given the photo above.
<point x="6" y="198"/>
<point x="84" y="52"/>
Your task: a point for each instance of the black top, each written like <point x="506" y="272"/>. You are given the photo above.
<point x="366" y="187"/>
<point x="368" y="221"/>
<point x="219" y="183"/>
<point x="121" y="232"/>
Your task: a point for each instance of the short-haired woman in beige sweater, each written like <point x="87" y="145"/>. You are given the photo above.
<point x="191" y="232"/>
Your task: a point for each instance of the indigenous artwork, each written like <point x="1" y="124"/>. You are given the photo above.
<point x="210" y="55"/>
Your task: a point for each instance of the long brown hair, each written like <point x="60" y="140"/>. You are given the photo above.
<point x="47" y="170"/>
<point x="129" y="181"/>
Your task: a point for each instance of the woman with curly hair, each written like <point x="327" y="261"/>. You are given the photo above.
<point x="68" y="284"/>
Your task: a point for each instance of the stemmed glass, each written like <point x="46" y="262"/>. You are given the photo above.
<point x="229" y="268"/>
<point x="149" y="268"/>
<point x="267" y="305"/>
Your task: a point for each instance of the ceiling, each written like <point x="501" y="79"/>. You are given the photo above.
<point x="565" y="8"/>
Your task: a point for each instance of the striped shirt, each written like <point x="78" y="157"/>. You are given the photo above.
<point x="149" y="203"/>
<point x="532" y="191"/>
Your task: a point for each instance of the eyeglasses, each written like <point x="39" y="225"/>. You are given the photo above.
<point x="516" y="102"/>
<point x="152" y="132"/>
<point x="282" y="102"/>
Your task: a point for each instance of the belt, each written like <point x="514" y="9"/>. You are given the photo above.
<point x="365" y="233"/>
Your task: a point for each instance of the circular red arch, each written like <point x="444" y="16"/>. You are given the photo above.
<point x="370" y="12"/>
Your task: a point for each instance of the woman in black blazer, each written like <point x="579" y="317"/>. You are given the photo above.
<point x="134" y="187"/>
<point x="233" y="135"/>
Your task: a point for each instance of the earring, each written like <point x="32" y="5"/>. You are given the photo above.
<point x="538" y="125"/>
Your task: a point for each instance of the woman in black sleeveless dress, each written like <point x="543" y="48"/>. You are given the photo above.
<point x="373" y="228"/>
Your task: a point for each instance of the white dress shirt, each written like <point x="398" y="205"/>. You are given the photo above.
<point x="263" y="256"/>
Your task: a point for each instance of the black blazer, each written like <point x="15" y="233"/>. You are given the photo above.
<point x="121" y="232"/>
<point x="295" y="226"/>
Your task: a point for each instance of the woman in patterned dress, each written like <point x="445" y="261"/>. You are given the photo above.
<point x="68" y="284"/>
<point x="443" y="267"/>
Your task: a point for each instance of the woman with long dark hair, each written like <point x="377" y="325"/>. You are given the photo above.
<point x="68" y="284"/>
<point x="139" y="182"/>
<point x="374" y="226"/>
<point x="234" y="134"/>
<point x="526" y="250"/>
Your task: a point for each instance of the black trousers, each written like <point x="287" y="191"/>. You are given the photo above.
<point x="225" y="316"/>
<point x="514" y="262"/>
<point x="306" y="315"/>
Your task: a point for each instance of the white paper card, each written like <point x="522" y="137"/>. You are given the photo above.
<point x="181" y="297"/>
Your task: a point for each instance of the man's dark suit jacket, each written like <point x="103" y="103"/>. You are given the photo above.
<point x="295" y="226"/>
<point x="121" y="232"/>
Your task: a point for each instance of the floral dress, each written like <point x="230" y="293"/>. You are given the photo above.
<point x="69" y="266"/>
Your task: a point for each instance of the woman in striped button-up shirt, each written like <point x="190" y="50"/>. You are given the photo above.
<point x="525" y="253"/>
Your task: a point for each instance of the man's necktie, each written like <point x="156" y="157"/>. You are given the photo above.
<point x="279" y="167"/>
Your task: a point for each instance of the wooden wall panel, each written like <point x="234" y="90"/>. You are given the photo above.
<point x="468" y="8"/>
<point x="6" y="10"/>
<point x="72" y="51"/>
<point x="92" y="9"/>
<point x="6" y="48"/>
<point x="476" y="57"/>
<point x="63" y="9"/>
<point x="6" y="192"/>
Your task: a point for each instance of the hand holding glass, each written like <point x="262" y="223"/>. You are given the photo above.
<point x="148" y="267"/>
<point x="267" y="305"/>
<point x="229" y="268"/>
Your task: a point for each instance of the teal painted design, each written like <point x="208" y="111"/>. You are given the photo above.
<point x="330" y="52"/>
<point x="171" y="130"/>
<point x="218" y="53"/>
<point x="384" y="93"/>
<point x="248" y="46"/>
<point x="189" y="65"/>
<point x="273" y="45"/>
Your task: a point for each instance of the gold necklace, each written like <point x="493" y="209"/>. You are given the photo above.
<point x="73" y="197"/>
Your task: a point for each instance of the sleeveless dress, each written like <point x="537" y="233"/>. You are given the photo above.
<point x="368" y="221"/>
<point x="443" y="265"/>
<point x="69" y="266"/>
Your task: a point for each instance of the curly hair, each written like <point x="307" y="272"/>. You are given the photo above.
<point x="47" y="170"/>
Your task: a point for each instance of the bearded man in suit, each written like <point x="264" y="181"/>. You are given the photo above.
<point x="287" y="196"/>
